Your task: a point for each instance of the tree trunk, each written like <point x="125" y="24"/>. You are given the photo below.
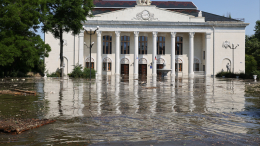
<point x="61" y="54"/>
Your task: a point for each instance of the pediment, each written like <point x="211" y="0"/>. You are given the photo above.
<point x="147" y="13"/>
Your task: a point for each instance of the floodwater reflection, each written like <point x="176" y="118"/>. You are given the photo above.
<point x="121" y="109"/>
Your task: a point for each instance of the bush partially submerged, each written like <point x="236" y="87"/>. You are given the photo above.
<point x="241" y="75"/>
<point x="78" y="73"/>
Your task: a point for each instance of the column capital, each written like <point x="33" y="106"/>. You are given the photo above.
<point x="99" y="33"/>
<point x="81" y="34"/>
<point x="136" y="33"/>
<point x="192" y="34"/>
<point x="208" y="35"/>
<point x="155" y="33"/>
<point x="117" y="33"/>
<point x="173" y="34"/>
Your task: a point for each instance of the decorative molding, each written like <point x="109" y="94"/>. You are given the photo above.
<point x="125" y="61"/>
<point x="178" y="60"/>
<point x="196" y="60"/>
<point x="136" y="33"/>
<point x="143" y="2"/>
<point x="107" y="59"/>
<point x="87" y="59"/>
<point x="99" y="33"/>
<point x="192" y="34"/>
<point x="155" y="34"/>
<point x="145" y="15"/>
<point x="173" y="34"/>
<point x="142" y="61"/>
<point x="117" y="33"/>
<point x="226" y="44"/>
<point x="81" y="34"/>
<point x="160" y="61"/>
<point x="208" y="36"/>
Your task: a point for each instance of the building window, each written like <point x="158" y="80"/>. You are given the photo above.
<point x="142" y="45"/>
<point x="161" y="45"/>
<point x="107" y="44"/>
<point x="178" y="48"/>
<point x="180" y="67"/>
<point x="203" y="67"/>
<point x="106" y="66"/>
<point x="125" y="44"/>
<point x="92" y="65"/>
<point x="197" y="66"/>
<point x="204" y="55"/>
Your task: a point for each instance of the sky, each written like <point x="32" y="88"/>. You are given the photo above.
<point x="247" y="9"/>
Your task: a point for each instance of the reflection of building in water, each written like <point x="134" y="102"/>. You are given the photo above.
<point x="65" y="98"/>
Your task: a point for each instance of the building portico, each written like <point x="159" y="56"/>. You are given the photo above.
<point x="139" y="39"/>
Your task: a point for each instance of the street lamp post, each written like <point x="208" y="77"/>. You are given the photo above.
<point x="233" y="47"/>
<point x="90" y="32"/>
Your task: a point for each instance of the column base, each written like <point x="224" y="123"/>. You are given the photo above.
<point x="173" y="75"/>
<point x="154" y="75"/>
<point x="191" y="75"/>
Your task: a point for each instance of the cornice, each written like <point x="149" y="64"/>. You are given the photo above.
<point x="162" y="23"/>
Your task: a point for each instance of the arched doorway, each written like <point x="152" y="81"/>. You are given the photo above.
<point x="124" y="66"/>
<point x="226" y="65"/>
<point x="142" y="66"/>
<point x="160" y="63"/>
<point x="196" y="64"/>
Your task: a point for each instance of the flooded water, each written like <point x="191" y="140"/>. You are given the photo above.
<point x="126" y="111"/>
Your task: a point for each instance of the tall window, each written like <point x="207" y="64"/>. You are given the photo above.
<point x="180" y="67"/>
<point x="107" y="44"/>
<point x="178" y="49"/>
<point x="125" y="44"/>
<point x="142" y="45"/>
<point x="161" y="45"/>
<point x="204" y="55"/>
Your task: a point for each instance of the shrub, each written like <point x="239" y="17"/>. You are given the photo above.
<point x="86" y="73"/>
<point x="54" y="74"/>
<point x="78" y="73"/>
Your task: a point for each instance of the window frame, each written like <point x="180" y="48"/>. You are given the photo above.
<point x="145" y="44"/>
<point x="159" y="50"/>
<point x="107" y="44"/>
<point x="125" y="40"/>
<point x="180" y="67"/>
<point x="92" y="65"/>
<point x="179" y="41"/>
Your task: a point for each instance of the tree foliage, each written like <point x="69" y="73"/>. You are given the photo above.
<point x="65" y="16"/>
<point x="253" y="44"/>
<point x="20" y="48"/>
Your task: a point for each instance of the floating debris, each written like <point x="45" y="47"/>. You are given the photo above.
<point x="17" y="126"/>
<point x="18" y="92"/>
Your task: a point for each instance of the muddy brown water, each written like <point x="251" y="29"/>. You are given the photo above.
<point x="124" y="111"/>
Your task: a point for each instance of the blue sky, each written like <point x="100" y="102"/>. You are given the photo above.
<point x="248" y="9"/>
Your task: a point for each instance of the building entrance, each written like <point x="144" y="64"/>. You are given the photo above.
<point x="159" y="66"/>
<point x="125" y="69"/>
<point x="142" y="69"/>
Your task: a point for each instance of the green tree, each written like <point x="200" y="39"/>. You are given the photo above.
<point x="20" y="48"/>
<point x="65" y="16"/>
<point x="251" y="64"/>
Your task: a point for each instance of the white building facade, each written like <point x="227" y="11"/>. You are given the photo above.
<point x="138" y="39"/>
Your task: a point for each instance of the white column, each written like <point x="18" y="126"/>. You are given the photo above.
<point x="191" y="54"/>
<point x="99" y="56"/>
<point x="136" y="54"/>
<point x="173" y="35"/>
<point x="207" y="54"/>
<point x="117" y="52"/>
<point x="154" y="53"/>
<point x="81" y="48"/>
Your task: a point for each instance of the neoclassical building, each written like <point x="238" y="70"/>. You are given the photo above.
<point x="137" y="38"/>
